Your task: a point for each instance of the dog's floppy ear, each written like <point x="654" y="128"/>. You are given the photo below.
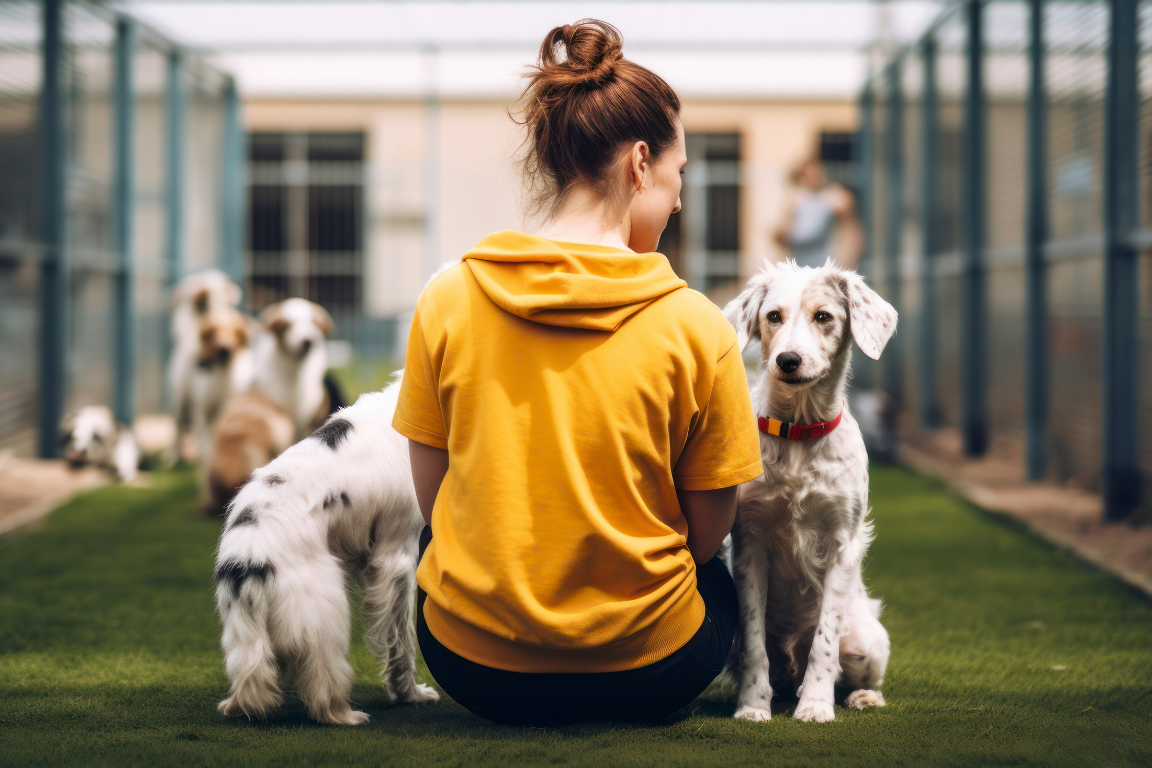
<point x="744" y="310"/>
<point x="873" y="320"/>
<point x="323" y="320"/>
<point x="273" y="319"/>
<point x="200" y="301"/>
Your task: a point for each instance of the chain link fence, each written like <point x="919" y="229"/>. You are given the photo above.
<point x="949" y="201"/>
<point x="92" y="258"/>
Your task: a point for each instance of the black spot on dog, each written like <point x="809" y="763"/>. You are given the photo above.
<point x="247" y="516"/>
<point x="235" y="573"/>
<point x="272" y="480"/>
<point x="331" y="499"/>
<point x="334" y="432"/>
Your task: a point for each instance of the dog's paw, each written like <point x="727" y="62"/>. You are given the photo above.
<point x="864" y="698"/>
<point x="815" y="712"/>
<point x="420" y="694"/>
<point x="229" y="707"/>
<point x="345" y="717"/>
<point x="755" y="714"/>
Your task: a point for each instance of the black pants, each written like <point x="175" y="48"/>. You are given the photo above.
<point x="647" y="694"/>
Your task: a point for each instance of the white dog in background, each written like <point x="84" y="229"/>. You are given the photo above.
<point x="340" y="500"/>
<point x="801" y="529"/>
<point x="291" y="361"/>
<point x="198" y="297"/>
<point x="92" y="436"/>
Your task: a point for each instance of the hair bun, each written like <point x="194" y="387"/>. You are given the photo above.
<point x="585" y="52"/>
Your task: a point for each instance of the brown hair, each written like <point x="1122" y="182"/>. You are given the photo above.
<point x="583" y="103"/>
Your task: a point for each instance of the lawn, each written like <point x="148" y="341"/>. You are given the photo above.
<point x="1003" y="652"/>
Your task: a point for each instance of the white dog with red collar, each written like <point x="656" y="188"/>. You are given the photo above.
<point x="801" y="529"/>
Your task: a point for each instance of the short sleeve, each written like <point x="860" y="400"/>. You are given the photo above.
<point x="418" y="416"/>
<point x="723" y="448"/>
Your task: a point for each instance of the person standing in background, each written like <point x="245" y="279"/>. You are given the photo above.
<point x="821" y="221"/>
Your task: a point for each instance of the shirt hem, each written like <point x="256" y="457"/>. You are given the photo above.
<point x="413" y="432"/>
<point x="671" y="632"/>
<point x="727" y="479"/>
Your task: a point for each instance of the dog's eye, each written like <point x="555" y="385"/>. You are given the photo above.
<point x="774" y="316"/>
<point x="823" y="317"/>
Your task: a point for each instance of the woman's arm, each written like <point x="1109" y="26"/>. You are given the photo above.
<point x="710" y="515"/>
<point x="429" y="465"/>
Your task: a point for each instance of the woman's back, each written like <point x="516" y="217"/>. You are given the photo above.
<point x="571" y="386"/>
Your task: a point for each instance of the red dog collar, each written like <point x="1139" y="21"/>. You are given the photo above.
<point x="798" y="431"/>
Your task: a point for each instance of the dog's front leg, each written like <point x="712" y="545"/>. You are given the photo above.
<point x="817" y="694"/>
<point x="750" y="560"/>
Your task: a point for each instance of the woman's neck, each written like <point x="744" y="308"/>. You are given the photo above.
<point x="586" y="219"/>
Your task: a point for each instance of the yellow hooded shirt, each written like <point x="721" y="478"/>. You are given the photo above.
<point x="575" y="387"/>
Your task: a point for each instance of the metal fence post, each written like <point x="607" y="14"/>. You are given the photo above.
<point x="973" y="301"/>
<point x="894" y="225"/>
<point x="1036" y="277"/>
<point x="53" y="287"/>
<point x="865" y="157"/>
<point x="233" y="197"/>
<point x="1120" y="473"/>
<point x="123" y="230"/>
<point x="930" y="412"/>
<point x="176" y="115"/>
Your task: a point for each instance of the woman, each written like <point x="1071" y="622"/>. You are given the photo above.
<point x="821" y="221"/>
<point x="578" y="421"/>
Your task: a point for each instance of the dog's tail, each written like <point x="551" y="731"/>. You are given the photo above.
<point x="244" y="584"/>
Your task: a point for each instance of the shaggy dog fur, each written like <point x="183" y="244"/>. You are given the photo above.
<point x="801" y="529"/>
<point x="92" y="436"/>
<point x="339" y="501"/>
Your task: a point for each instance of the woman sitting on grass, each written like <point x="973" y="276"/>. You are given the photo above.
<point x="578" y="421"/>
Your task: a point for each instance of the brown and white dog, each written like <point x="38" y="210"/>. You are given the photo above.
<point x="291" y="362"/>
<point x="197" y="298"/>
<point x="223" y="371"/>
<point x="290" y="397"/>
<point x="251" y="431"/>
<point x="802" y="529"/>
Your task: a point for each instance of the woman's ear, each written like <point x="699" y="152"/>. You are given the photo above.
<point x="873" y="320"/>
<point x="744" y="310"/>
<point x="640" y="160"/>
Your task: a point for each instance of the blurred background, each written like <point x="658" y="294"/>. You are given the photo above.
<point x="996" y="153"/>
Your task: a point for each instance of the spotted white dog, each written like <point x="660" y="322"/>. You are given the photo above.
<point x="342" y="499"/>
<point x="92" y="436"/>
<point x="801" y="529"/>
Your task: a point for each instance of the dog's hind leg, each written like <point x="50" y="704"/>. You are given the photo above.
<point x="243" y="595"/>
<point x="754" y="701"/>
<point x="314" y="629"/>
<point x="389" y="598"/>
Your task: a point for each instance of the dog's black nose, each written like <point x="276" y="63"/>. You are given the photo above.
<point x="788" y="361"/>
<point x="223" y="354"/>
<point x="305" y="347"/>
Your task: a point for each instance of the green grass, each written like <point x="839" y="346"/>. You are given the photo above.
<point x="1003" y="652"/>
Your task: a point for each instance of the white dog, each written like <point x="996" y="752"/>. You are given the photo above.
<point x="801" y="529"/>
<point x="196" y="298"/>
<point x="291" y="361"/>
<point x="340" y="499"/>
<point x="92" y="436"/>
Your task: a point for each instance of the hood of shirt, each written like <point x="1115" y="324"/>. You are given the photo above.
<point x="593" y="287"/>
